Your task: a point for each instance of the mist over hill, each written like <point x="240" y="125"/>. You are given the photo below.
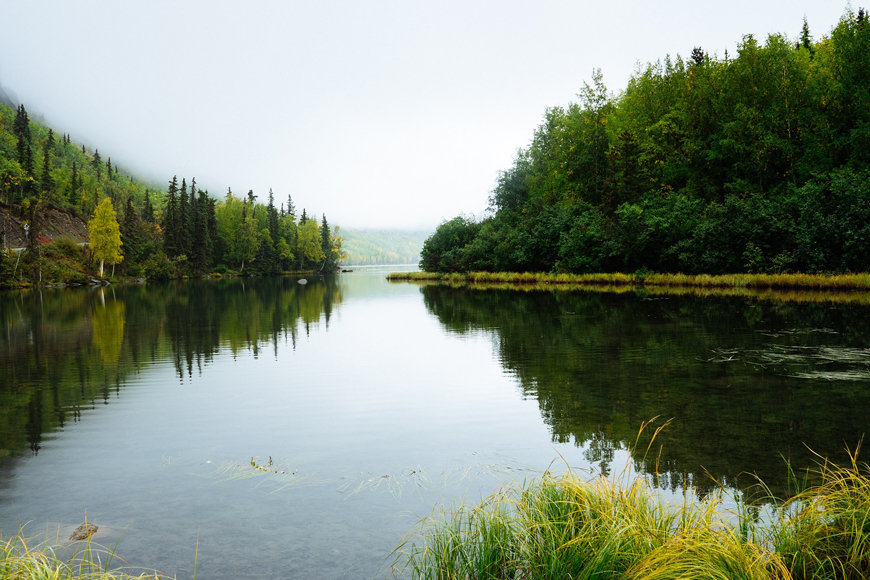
<point x="376" y="246"/>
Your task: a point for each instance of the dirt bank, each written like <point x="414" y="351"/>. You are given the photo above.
<point x="56" y="223"/>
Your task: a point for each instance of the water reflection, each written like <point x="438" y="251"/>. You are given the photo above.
<point x="747" y="382"/>
<point x="65" y="350"/>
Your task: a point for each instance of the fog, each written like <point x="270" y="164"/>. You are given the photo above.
<point x="389" y="113"/>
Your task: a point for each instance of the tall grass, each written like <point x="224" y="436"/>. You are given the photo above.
<point x="568" y="527"/>
<point x="784" y="281"/>
<point x="19" y="560"/>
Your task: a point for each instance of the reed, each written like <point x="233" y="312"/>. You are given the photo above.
<point x="20" y="560"/>
<point x="824" y="531"/>
<point x="569" y="527"/>
<point x="859" y="281"/>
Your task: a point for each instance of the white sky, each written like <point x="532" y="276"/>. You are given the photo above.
<point x="387" y="113"/>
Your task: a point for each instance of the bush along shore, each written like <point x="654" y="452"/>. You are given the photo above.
<point x="562" y="526"/>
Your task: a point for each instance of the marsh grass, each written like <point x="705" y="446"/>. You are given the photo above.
<point x="804" y="282"/>
<point x="566" y="526"/>
<point x="21" y="560"/>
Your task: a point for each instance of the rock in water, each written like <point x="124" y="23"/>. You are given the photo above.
<point x="302" y="281"/>
<point x="83" y="532"/>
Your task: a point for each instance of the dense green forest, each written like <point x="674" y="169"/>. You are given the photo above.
<point x="146" y="232"/>
<point x="752" y="162"/>
<point x="366" y="247"/>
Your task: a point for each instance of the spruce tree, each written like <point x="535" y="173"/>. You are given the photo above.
<point x="21" y="124"/>
<point x="46" y="184"/>
<point x="182" y="233"/>
<point x="194" y="207"/>
<point x="291" y="210"/>
<point x="273" y="218"/>
<point x="806" y="40"/>
<point x="326" y="244"/>
<point x="50" y="142"/>
<point x="148" y="209"/>
<point x="170" y="220"/>
<point x="131" y="232"/>
<point x="304" y="218"/>
<point x="97" y="163"/>
<point x="74" y="188"/>
<point x="30" y="173"/>
<point x="201" y="250"/>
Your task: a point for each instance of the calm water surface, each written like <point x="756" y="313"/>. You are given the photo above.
<point x="301" y="430"/>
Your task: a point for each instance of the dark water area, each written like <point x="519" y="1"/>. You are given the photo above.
<point x="301" y="430"/>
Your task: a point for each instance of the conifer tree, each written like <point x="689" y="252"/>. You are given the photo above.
<point x="182" y="232"/>
<point x="21" y="124"/>
<point x="273" y="218"/>
<point x="50" y="143"/>
<point x="201" y="250"/>
<point x="324" y="236"/>
<point x="74" y="188"/>
<point x="194" y="207"/>
<point x="45" y="182"/>
<point x="21" y="150"/>
<point x="304" y="218"/>
<point x="30" y="173"/>
<point x="806" y="40"/>
<point x="291" y="210"/>
<point x="131" y="232"/>
<point x="147" y="208"/>
<point x="97" y="163"/>
<point x="170" y="220"/>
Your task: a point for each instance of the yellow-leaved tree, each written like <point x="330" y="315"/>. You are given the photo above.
<point x="105" y="235"/>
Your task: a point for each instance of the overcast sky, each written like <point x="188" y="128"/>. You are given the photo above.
<point x="387" y="113"/>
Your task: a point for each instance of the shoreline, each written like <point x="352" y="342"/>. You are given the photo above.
<point x="796" y="281"/>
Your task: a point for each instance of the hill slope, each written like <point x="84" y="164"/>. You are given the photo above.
<point x="366" y="247"/>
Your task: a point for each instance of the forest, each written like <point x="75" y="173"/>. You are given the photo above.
<point x="752" y="162"/>
<point x="137" y="227"/>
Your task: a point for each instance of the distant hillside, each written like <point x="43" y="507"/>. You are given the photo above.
<point x="371" y="247"/>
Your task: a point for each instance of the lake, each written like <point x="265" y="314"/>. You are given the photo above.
<point x="286" y="430"/>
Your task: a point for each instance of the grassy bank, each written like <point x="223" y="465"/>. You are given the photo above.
<point x="567" y="527"/>
<point x="21" y="561"/>
<point x="755" y="281"/>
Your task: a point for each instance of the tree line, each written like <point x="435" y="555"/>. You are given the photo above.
<point x="754" y="162"/>
<point x="150" y="233"/>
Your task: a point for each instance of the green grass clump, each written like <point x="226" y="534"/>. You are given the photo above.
<point x="20" y="561"/>
<point x="760" y="281"/>
<point x="567" y="527"/>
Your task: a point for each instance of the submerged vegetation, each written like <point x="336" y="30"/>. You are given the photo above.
<point x="753" y="162"/>
<point x="562" y="526"/>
